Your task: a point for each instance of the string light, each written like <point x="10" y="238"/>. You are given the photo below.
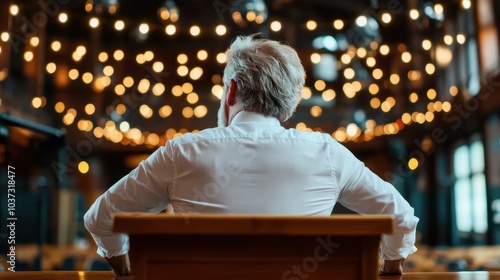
<point x="14" y="10"/>
<point x="311" y="25"/>
<point x="119" y="25"/>
<point x="338" y="24"/>
<point x="220" y="30"/>
<point x="195" y="30"/>
<point x="275" y="26"/>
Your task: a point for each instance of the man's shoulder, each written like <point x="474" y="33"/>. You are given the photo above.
<point x="314" y="136"/>
<point x="205" y="134"/>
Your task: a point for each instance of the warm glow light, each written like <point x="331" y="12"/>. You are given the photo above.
<point x="220" y="29"/>
<point x="55" y="46"/>
<point x="202" y="55"/>
<point x="149" y="55"/>
<point x="448" y="39"/>
<point x="59" y="107"/>
<point x="34" y="41"/>
<point x="14" y="10"/>
<point x="87" y="78"/>
<point x="426" y="44"/>
<point x="187" y="88"/>
<point x="158" y="66"/>
<point x="446" y="106"/>
<point x="439" y="9"/>
<point x="352" y="129"/>
<point x="315" y="58"/>
<point x="165" y="111"/>
<point x="349" y="90"/>
<point x="361" y="52"/>
<point x="311" y="25"/>
<point x="375" y="103"/>
<point x="192" y="98"/>
<point x="413" y="163"/>
<point x="406" y="57"/>
<point x="461" y="39"/>
<point x="466" y="4"/>
<point x="81" y="51"/>
<point x="306" y="93"/>
<point x="316" y="111"/>
<point x="187" y="112"/>
<point x="118" y="55"/>
<point x="128" y="81"/>
<point x="73" y="74"/>
<point x="200" y="111"/>
<point x="119" y="25"/>
<point x="182" y="70"/>
<point x="371" y="61"/>
<point x="143" y="85"/>
<point x="51" y="67"/>
<point x="413" y="97"/>
<point x="217" y="91"/>
<point x="275" y="26"/>
<point x="406" y="118"/>
<point x="221" y="58"/>
<point x="430" y="68"/>
<point x="89" y="109"/>
<point x="94" y="22"/>
<point x="345" y="58"/>
<point x="320" y="85"/>
<point x="386" y="17"/>
<point x="338" y="24"/>
<point x="361" y="21"/>
<point x="4" y="36"/>
<point x="414" y="14"/>
<point x="158" y="89"/>
<point x="182" y="58"/>
<point x="196" y="73"/>
<point x="119" y="89"/>
<point x="28" y="56"/>
<point x="121" y="109"/>
<point x="373" y="89"/>
<point x="108" y="70"/>
<point x="103" y="57"/>
<point x="83" y="167"/>
<point x="384" y="49"/>
<point x="431" y="94"/>
<point x="36" y="102"/>
<point x="377" y="74"/>
<point x="146" y="111"/>
<point x="170" y="29"/>
<point x="328" y="95"/>
<point x="144" y="28"/>
<point x="195" y="30"/>
<point x="453" y="91"/>
<point x="394" y="79"/>
<point x="349" y="73"/>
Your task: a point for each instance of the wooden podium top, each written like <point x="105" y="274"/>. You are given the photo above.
<point x="202" y="224"/>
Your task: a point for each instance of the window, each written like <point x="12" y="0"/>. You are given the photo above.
<point x="470" y="191"/>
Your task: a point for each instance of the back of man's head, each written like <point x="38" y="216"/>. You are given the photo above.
<point x="268" y="74"/>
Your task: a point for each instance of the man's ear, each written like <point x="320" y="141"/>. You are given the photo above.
<point x="231" y="94"/>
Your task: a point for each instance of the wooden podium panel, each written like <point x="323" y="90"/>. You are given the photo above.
<point x="253" y="247"/>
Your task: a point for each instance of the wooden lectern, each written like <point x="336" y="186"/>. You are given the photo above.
<point x="253" y="247"/>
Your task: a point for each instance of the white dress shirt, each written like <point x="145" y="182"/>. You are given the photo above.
<point x="252" y="166"/>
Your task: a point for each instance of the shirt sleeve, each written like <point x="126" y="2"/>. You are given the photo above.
<point x="366" y="193"/>
<point x="144" y="189"/>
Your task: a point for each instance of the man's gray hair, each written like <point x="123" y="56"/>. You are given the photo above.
<point x="268" y="74"/>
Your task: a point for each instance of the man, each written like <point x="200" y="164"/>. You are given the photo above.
<point x="251" y="164"/>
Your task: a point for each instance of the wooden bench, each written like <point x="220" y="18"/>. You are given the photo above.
<point x="253" y="247"/>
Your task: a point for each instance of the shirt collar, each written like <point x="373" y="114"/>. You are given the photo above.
<point x="253" y="117"/>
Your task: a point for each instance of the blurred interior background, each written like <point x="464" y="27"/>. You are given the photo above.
<point x="89" y="88"/>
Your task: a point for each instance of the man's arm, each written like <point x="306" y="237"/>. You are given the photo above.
<point x="143" y="190"/>
<point x="366" y="193"/>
